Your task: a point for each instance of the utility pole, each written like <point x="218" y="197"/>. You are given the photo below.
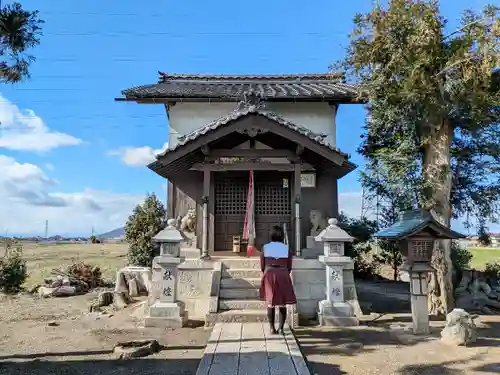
<point x="46" y="229"/>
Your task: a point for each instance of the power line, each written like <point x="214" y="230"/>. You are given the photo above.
<point x="238" y="34"/>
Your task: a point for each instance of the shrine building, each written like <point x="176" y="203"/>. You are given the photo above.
<point x="281" y="127"/>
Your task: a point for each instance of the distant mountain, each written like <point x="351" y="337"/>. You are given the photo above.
<point x="118" y="232"/>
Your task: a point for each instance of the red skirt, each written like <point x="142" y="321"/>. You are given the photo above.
<point x="276" y="288"/>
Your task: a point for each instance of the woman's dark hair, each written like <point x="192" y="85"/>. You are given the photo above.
<point x="277" y="234"/>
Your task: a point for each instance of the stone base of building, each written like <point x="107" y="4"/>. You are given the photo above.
<point x="190" y="253"/>
<point x="165" y="315"/>
<point x="336" y="314"/>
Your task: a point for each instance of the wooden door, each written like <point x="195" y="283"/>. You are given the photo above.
<point x="231" y="190"/>
<point x="272" y="204"/>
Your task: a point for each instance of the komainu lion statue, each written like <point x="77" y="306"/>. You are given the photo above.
<point x="188" y="222"/>
<point x="318" y="222"/>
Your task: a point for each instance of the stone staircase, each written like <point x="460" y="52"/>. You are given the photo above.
<point x="239" y="292"/>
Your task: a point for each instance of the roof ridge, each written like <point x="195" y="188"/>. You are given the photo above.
<point x="164" y="76"/>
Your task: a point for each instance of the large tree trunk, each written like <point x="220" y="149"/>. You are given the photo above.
<point x="437" y="171"/>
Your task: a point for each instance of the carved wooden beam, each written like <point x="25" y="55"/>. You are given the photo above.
<point x="205" y="150"/>
<point x="251" y="153"/>
<point x="250" y="166"/>
<point x="252" y="131"/>
<point x="299" y="150"/>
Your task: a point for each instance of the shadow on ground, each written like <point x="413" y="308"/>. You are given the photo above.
<point x="256" y="363"/>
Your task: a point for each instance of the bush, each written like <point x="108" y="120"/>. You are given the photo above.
<point x="13" y="270"/>
<point x="460" y="259"/>
<point x="362" y="230"/>
<point x="145" y="222"/>
<point x="492" y="270"/>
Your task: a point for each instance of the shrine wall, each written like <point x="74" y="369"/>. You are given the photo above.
<point x="323" y="198"/>
<point x="186" y="117"/>
<point x="185" y="194"/>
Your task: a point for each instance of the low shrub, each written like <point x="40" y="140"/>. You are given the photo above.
<point x="13" y="270"/>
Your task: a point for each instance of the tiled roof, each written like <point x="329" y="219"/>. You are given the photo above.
<point x="232" y="87"/>
<point x="245" y="111"/>
<point x="412" y="222"/>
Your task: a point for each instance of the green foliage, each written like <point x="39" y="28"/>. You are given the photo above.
<point x="13" y="270"/>
<point x="492" y="270"/>
<point x="423" y="85"/>
<point x="434" y="119"/>
<point x="484" y="238"/>
<point x="93" y="239"/>
<point x="20" y="30"/>
<point x="362" y="230"/>
<point x="145" y="222"/>
<point x="460" y="258"/>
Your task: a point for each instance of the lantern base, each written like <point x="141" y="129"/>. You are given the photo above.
<point x="165" y="315"/>
<point x="336" y="314"/>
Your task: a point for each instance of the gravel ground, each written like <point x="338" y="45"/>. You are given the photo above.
<point x="381" y="348"/>
<point x="82" y="343"/>
<point x="384" y="346"/>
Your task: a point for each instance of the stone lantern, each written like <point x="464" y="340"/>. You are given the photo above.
<point x="334" y="310"/>
<point x="164" y="310"/>
<point x="169" y="239"/>
<point x="416" y="232"/>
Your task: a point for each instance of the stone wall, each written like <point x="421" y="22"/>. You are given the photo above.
<point x="309" y="281"/>
<point x="308" y="276"/>
<point x="198" y="286"/>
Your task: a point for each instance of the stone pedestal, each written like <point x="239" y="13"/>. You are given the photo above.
<point x="334" y="310"/>
<point x="314" y="249"/>
<point x="165" y="311"/>
<point x="419" y="295"/>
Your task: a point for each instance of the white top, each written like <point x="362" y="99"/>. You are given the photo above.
<point x="276" y="250"/>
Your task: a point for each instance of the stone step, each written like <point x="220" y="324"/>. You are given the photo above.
<point x="236" y="316"/>
<point x="239" y="294"/>
<point x="241" y="273"/>
<point x="241" y="304"/>
<point x="241" y="263"/>
<point x="240" y="283"/>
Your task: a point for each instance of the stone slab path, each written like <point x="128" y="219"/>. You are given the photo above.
<point x="249" y="349"/>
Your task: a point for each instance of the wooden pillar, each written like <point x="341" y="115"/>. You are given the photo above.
<point x="205" y="201"/>
<point x="297" y="193"/>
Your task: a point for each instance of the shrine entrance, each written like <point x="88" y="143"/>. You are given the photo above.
<point x="272" y="205"/>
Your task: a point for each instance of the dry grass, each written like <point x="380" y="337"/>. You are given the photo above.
<point x="43" y="258"/>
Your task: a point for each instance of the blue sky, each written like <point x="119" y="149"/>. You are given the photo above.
<point x="65" y="158"/>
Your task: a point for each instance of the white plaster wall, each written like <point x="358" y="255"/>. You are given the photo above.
<point x="187" y="117"/>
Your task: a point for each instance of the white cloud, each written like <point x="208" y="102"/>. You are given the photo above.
<point x="49" y="166"/>
<point x="137" y="156"/>
<point x="350" y="203"/>
<point x="23" y="130"/>
<point x="28" y="199"/>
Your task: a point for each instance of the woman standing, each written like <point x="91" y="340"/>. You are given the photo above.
<point x="276" y="286"/>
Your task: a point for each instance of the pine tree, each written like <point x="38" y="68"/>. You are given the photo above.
<point x="433" y="113"/>
<point x="145" y="222"/>
<point x="20" y="30"/>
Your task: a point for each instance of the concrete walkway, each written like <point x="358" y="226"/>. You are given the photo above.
<point x="249" y="349"/>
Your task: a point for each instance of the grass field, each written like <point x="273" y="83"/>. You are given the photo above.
<point x="483" y="255"/>
<point x="42" y="259"/>
<point x="111" y="256"/>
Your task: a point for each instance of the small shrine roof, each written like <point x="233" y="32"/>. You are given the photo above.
<point x="169" y="234"/>
<point x="413" y="222"/>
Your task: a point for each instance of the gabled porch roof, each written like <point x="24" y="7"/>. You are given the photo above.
<point x="227" y="131"/>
